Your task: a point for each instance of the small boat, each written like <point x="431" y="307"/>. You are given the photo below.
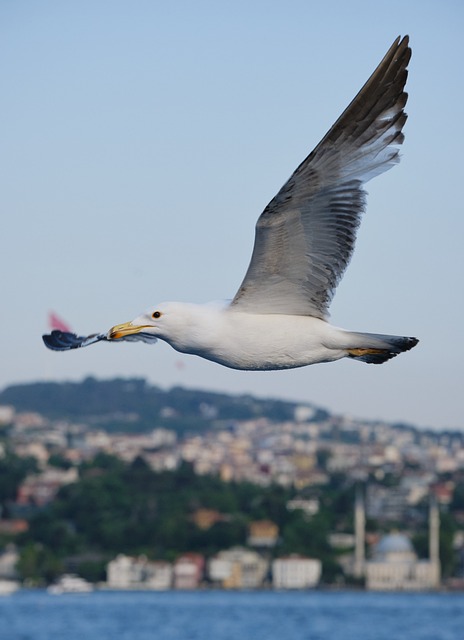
<point x="7" y="587"/>
<point x="70" y="583"/>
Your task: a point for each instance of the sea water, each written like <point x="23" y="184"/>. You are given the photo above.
<point x="220" y="615"/>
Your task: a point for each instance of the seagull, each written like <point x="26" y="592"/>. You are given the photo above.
<point x="304" y="240"/>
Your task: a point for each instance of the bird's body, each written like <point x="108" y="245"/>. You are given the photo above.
<point x="259" y="342"/>
<point x="248" y="341"/>
<point x="304" y="240"/>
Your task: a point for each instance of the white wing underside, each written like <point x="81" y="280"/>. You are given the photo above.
<point x="305" y="237"/>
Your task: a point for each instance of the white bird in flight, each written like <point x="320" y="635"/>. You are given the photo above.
<point x="304" y="240"/>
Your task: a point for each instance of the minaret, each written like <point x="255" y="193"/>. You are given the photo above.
<point x="434" y="542"/>
<point x="359" y="532"/>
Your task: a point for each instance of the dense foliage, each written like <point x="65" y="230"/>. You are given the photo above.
<point x="116" y="508"/>
<point x="13" y="470"/>
<point x="119" y="508"/>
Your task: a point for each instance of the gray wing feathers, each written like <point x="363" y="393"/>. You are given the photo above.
<point x="305" y="237"/>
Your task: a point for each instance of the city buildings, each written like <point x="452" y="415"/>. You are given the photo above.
<point x="236" y="568"/>
<point x="188" y="571"/>
<point x="125" y="572"/>
<point x="296" y="572"/>
<point x="400" y="467"/>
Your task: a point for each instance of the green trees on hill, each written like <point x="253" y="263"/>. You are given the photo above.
<point x="13" y="470"/>
<point x="119" y="508"/>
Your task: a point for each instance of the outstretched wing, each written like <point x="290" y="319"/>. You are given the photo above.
<point x="305" y="237"/>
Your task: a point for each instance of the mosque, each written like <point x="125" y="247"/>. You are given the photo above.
<point x="394" y="565"/>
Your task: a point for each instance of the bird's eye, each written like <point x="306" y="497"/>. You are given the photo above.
<point x="156" y="314"/>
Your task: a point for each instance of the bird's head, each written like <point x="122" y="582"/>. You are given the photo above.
<point x="157" y="322"/>
<point x="147" y="327"/>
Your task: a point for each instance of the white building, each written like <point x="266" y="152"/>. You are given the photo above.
<point x="9" y="557"/>
<point x="296" y="572"/>
<point x="188" y="571"/>
<point x="125" y="572"/>
<point x="238" y="568"/>
<point x="309" y="506"/>
<point x="395" y="567"/>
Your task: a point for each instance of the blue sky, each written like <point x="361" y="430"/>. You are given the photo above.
<point x="140" y="142"/>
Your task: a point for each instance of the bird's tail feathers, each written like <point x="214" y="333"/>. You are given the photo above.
<point x="375" y="348"/>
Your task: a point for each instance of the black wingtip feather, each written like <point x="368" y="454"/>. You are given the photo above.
<point x="61" y="340"/>
<point x="64" y="341"/>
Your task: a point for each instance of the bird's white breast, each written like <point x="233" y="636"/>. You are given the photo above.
<point x="255" y="341"/>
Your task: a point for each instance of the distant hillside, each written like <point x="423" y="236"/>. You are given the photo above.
<point x="134" y="405"/>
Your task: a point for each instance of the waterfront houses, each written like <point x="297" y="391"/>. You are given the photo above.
<point x="296" y="572"/>
<point x="188" y="571"/>
<point x="125" y="572"/>
<point x="238" y="568"/>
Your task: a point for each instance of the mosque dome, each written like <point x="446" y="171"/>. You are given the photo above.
<point x="394" y="546"/>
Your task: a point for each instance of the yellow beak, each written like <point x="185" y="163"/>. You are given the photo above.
<point x="126" y="329"/>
